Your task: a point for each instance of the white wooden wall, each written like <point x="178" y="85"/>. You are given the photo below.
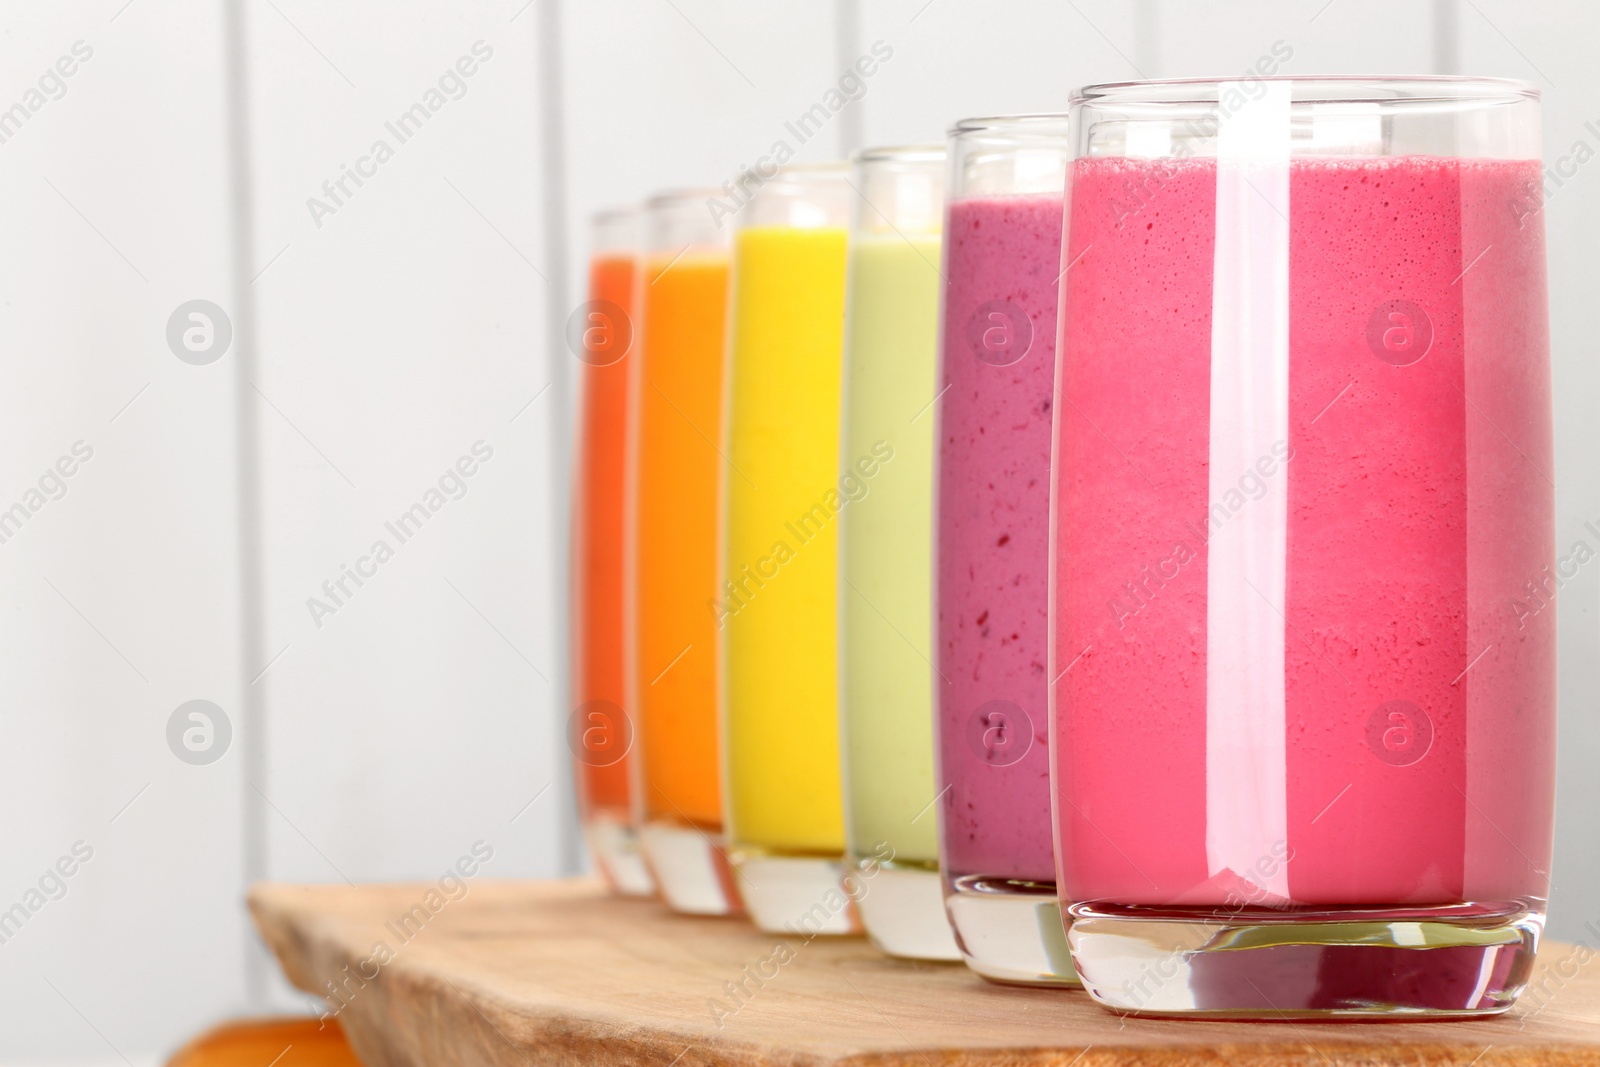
<point x="372" y="352"/>
<point x="421" y="716"/>
<point x="375" y="349"/>
<point x="119" y="601"/>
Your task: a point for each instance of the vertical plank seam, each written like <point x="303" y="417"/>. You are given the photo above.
<point x="1446" y="37"/>
<point x="552" y="152"/>
<point x="1147" y="38"/>
<point x="248" y="507"/>
<point x="847" y="46"/>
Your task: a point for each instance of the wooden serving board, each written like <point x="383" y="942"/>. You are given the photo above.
<point x="558" y="974"/>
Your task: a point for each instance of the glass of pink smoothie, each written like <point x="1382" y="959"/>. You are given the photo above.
<point x="1002" y="259"/>
<point x="1303" y="715"/>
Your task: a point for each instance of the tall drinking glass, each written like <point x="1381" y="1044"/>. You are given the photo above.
<point x="777" y="606"/>
<point x="991" y="562"/>
<point x="684" y="306"/>
<point x="885" y="534"/>
<point x="1304" y="727"/>
<point x="600" y="729"/>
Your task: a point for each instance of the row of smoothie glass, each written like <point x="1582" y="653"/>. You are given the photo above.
<point x="1253" y="684"/>
<point x="798" y="629"/>
<point x="698" y="619"/>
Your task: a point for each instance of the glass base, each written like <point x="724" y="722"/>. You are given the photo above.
<point x="615" y="849"/>
<point x="794" y="894"/>
<point x="903" y="911"/>
<point x="1451" y="962"/>
<point x="690" y="868"/>
<point x="1011" y="931"/>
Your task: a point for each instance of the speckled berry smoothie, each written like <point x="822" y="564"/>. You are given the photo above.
<point x="998" y="367"/>
<point x="1401" y="701"/>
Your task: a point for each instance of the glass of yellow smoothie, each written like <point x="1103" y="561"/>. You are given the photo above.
<point x="776" y="605"/>
<point x="885" y="534"/>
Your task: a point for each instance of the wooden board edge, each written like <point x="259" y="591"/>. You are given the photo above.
<point x="396" y="1020"/>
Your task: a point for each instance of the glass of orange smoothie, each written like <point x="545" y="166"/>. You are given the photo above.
<point x="678" y="464"/>
<point x="600" y="727"/>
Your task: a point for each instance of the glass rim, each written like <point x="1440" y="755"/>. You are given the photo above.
<point x="1009" y="123"/>
<point x="930" y="152"/>
<point x="787" y="178"/>
<point x="831" y="168"/>
<point x="793" y="179"/>
<point x="667" y="198"/>
<point x="1328" y="89"/>
<point x="619" y="213"/>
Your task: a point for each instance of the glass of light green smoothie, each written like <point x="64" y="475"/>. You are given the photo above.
<point x="885" y="588"/>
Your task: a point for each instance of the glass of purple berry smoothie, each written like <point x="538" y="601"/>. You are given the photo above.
<point x="1002" y="262"/>
<point x="1303" y="717"/>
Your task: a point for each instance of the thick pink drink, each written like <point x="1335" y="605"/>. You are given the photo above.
<point x="1418" y="509"/>
<point x="1303" y="519"/>
<point x="993" y="536"/>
